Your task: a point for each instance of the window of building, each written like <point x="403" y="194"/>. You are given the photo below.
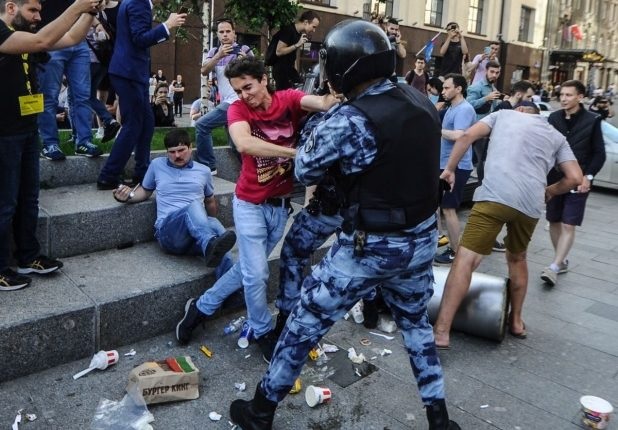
<point x="373" y="8"/>
<point x="388" y="8"/>
<point x="526" y="24"/>
<point x="475" y="16"/>
<point x="433" y="12"/>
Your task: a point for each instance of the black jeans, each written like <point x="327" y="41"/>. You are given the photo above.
<point x="178" y="105"/>
<point x="19" y="197"/>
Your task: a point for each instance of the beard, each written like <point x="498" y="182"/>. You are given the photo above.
<point x="21" y="24"/>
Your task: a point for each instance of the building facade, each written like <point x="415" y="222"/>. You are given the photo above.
<point x="582" y="42"/>
<point x="519" y="26"/>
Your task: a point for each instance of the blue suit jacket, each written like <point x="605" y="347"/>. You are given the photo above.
<point x="134" y="37"/>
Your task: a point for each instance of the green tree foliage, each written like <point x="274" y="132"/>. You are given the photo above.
<point x="163" y="10"/>
<point x="255" y="14"/>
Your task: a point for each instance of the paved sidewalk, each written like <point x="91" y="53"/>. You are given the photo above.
<point x="571" y="350"/>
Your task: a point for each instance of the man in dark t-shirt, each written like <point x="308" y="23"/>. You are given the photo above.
<point x="418" y="77"/>
<point x="20" y="105"/>
<point x="290" y="39"/>
<point x="453" y="50"/>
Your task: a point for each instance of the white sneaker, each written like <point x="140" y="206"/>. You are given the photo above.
<point x="549" y="276"/>
<point x="100" y="133"/>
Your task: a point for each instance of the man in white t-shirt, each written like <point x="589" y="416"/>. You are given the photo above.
<point x="522" y="149"/>
<point x="216" y="60"/>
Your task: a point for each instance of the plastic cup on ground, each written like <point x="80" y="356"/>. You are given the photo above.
<point x="101" y="360"/>
<point x="596" y="412"/>
<point x="317" y="395"/>
<point x="245" y="336"/>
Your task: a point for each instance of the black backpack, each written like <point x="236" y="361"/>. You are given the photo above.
<point x="270" y="58"/>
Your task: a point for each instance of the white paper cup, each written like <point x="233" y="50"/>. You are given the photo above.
<point x="112" y="357"/>
<point x="596" y="412"/>
<point x="317" y="395"/>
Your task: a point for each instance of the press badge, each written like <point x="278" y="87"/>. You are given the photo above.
<point x="31" y="104"/>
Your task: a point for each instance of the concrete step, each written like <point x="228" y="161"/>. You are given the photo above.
<point x="77" y="170"/>
<point x="79" y="219"/>
<point x="103" y="300"/>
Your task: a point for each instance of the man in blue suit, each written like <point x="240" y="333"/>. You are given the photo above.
<point x="129" y="72"/>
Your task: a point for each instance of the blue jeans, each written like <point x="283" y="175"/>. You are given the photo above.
<point x="97" y="74"/>
<point x="74" y="62"/>
<point x="402" y="266"/>
<point x="136" y="132"/>
<point x="258" y="229"/>
<point x="203" y="134"/>
<point x="305" y="236"/>
<point x="188" y="231"/>
<point x="19" y="197"/>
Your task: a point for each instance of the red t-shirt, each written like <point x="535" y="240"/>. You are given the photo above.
<point x="265" y="177"/>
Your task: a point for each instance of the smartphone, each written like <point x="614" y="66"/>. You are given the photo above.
<point x="501" y="96"/>
<point x="487" y="50"/>
<point x="184" y="9"/>
<point x="236" y="50"/>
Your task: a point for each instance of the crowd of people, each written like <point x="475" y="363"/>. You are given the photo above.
<point x="344" y="143"/>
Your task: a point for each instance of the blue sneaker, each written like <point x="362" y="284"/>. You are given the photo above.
<point x="88" y="150"/>
<point x="53" y="152"/>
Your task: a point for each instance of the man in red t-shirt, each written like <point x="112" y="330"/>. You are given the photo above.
<point x="264" y="126"/>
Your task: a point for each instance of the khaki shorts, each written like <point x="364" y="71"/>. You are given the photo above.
<point x="486" y="221"/>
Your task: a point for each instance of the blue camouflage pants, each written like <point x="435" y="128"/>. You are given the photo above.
<point x="402" y="266"/>
<point x="307" y="233"/>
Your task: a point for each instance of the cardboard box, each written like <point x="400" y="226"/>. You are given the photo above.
<point x="169" y="380"/>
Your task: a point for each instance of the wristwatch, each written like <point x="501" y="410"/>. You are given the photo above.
<point x="590" y="177"/>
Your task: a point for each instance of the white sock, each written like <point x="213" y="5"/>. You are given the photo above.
<point x="554" y="267"/>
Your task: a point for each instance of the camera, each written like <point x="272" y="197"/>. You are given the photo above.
<point x="236" y="50"/>
<point x="501" y="96"/>
<point x="452" y="27"/>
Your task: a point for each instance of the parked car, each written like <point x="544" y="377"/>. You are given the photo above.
<point x="545" y="108"/>
<point x="607" y="177"/>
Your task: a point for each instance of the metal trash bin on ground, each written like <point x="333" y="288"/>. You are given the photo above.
<point x="483" y="311"/>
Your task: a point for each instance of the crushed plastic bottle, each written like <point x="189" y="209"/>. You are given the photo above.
<point x="234" y="325"/>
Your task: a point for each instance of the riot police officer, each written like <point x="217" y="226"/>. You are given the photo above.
<point x="385" y="142"/>
<point x="312" y="226"/>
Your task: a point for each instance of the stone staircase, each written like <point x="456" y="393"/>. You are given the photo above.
<point x="117" y="286"/>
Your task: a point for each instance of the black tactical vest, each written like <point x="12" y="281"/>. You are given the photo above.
<point x="400" y="188"/>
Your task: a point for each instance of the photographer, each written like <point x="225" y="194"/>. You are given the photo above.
<point x="20" y="106"/>
<point x="453" y="50"/>
<point x="162" y="109"/>
<point x="602" y="107"/>
<point x="215" y="61"/>
<point x="290" y="39"/>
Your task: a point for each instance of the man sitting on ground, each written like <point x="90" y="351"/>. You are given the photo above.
<point x="186" y="205"/>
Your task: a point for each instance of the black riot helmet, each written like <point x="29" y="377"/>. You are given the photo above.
<point x="355" y="51"/>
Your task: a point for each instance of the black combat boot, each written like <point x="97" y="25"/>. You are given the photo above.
<point x="189" y="322"/>
<point x="437" y="416"/>
<point x="267" y="345"/>
<point x="256" y="414"/>
<point x="370" y="313"/>
<point x="282" y="318"/>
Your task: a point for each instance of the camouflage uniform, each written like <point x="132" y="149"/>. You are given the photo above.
<point x="400" y="262"/>
<point x="307" y="233"/>
<point x="305" y="236"/>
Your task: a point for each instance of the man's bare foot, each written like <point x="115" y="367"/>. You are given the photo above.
<point x="517" y="327"/>
<point x="442" y="339"/>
